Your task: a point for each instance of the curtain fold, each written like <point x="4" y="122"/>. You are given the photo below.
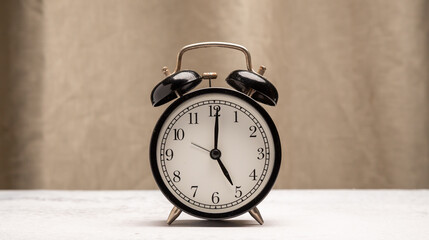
<point x="21" y="90"/>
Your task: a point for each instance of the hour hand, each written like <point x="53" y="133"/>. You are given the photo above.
<point x="225" y="172"/>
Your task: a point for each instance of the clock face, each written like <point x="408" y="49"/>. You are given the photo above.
<point x="215" y="153"/>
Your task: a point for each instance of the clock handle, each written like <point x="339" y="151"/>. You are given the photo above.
<point x="214" y="44"/>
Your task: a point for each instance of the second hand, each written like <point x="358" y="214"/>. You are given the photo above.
<point x="200" y="147"/>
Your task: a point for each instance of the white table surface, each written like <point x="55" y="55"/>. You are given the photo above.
<point x="288" y="214"/>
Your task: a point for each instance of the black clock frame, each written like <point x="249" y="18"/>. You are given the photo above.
<point x="170" y="196"/>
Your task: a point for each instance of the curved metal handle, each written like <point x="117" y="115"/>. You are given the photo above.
<point x="214" y="44"/>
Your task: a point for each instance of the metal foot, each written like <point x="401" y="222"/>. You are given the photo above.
<point x="254" y="212"/>
<point x="175" y="212"/>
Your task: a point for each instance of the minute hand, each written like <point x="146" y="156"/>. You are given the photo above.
<point x="216" y="129"/>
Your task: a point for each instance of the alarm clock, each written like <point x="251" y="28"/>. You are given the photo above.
<point x="215" y="153"/>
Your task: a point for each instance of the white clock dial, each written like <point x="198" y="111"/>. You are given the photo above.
<point x="215" y="152"/>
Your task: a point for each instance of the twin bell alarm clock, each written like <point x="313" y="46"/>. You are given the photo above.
<point x="215" y="153"/>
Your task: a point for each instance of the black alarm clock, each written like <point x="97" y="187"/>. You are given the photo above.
<point x="215" y="153"/>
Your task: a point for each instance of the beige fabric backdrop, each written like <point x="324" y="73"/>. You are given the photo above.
<point x="76" y="77"/>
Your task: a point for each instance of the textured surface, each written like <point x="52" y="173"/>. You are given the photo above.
<point x="342" y="214"/>
<point x="352" y="76"/>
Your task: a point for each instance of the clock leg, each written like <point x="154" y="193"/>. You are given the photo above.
<point x="175" y="212"/>
<point x="254" y="212"/>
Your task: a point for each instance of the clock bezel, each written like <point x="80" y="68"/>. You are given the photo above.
<point x="192" y="211"/>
